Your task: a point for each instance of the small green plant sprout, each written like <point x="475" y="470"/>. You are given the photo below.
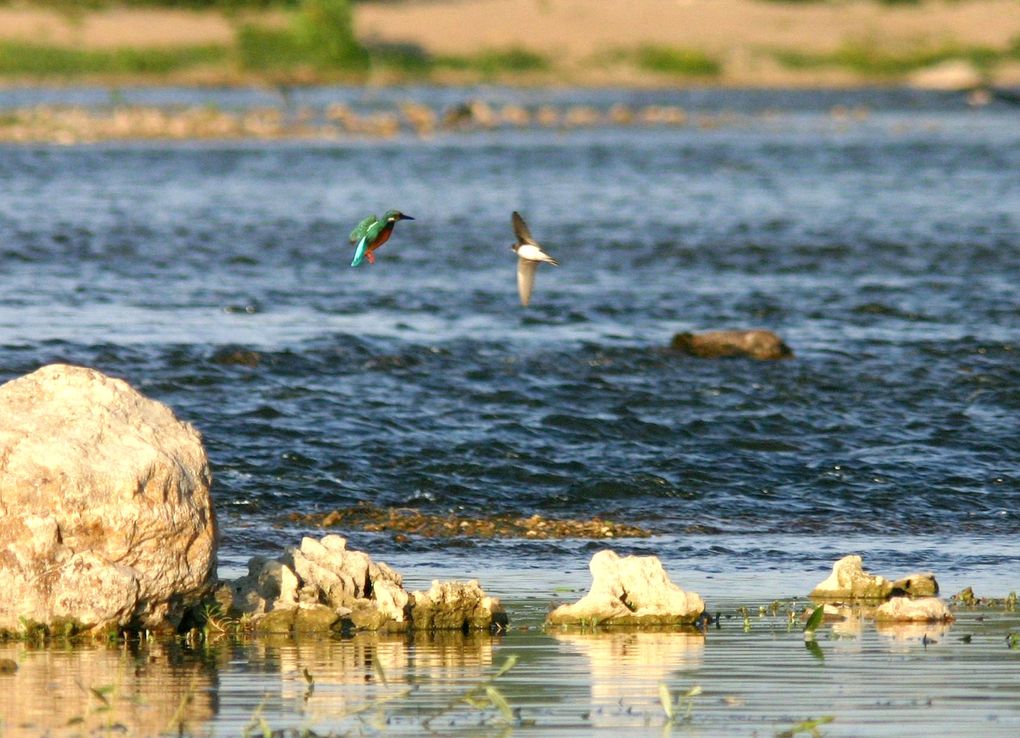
<point x="817" y="615"/>
<point x="1013" y="640"/>
<point x="677" y="709"/>
<point x="483" y="696"/>
<point x="809" y="726"/>
<point x="258" y="721"/>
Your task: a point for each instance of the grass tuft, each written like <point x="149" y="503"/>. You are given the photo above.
<point x="682" y="62"/>
<point x="871" y="58"/>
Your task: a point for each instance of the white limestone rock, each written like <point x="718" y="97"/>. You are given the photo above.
<point x="634" y="590"/>
<point x="108" y="520"/>
<point x="849" y="581"/>
<point x="299" y="590"/>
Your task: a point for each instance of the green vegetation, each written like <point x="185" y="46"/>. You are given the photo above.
<point x="320" y="36"/>
<point x="684" y="62"/>
<point x="42" y="60"/>
<point x="666" y="60"/>
<point x="872" y="58"/>
<point x="413" y="61"/>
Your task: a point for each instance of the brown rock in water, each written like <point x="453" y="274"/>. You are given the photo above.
<point x="456" y="606"/>
<point x="906" y="609"/>
<point x="755" y="344"/>
<point x="634" y="590"/>
<point x="848" y="580"/>
<point x="107" y="516"/>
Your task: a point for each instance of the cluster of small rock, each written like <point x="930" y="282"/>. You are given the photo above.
<point x="403" y="522"/>
<point x="74" y="124"/>
<point x="324" y="586"/>
<point x="913" y="598"/>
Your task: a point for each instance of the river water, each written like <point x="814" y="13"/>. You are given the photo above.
<point x="880" y="239"/>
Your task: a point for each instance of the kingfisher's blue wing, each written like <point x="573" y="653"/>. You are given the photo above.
<point x="359" y="252"/>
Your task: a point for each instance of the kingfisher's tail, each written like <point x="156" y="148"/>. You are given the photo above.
<point x="359" y="252"/>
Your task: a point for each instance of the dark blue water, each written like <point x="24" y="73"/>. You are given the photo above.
<point x="885" y="251"/>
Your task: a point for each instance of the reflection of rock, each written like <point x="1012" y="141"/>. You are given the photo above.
<point x="634" y="590"/>
<point x="755" y="344"/>
<point x="628" y="665"/>
<point x="906" y="609"/>
<point x="912" y="631"/>
<point x="107" y="516"/>
<point x="848" y="580"/>
<point x="139" y="691"/>
<point x="324" y="586"/>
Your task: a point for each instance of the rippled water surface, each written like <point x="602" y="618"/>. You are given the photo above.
<point x="883" y="247"/>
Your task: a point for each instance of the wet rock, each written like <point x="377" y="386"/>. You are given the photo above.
<point x="908" y="609"/>
<point x="755" y="344"/>
<point x="634" y="590"/>
<point x="456" y="606"/>
<point x="322" y="585"/>
<point x="848" y="580"/>
<point x="108" y="521"/>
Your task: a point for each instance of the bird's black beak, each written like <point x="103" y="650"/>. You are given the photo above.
<point x="405" y="217"/>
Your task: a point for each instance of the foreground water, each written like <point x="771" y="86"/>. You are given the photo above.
<point x="883" y="246"/>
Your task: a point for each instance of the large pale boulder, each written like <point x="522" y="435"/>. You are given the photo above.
<point x="848" y="580"/>
<point x="323" y="585"/>
<point x="107" y="519"/>
<point x="633" y="590"/>
<point x="754" y="344"/>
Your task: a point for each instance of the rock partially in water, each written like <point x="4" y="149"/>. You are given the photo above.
<point x="908" y="609"/>
<point x="456" y="606"/>
<point x="849" y="581"/>
<point x="108" y="521"/>
<point x="323" y="585"/>
<point x="754" y="344"/>
<point x="633" y="591"/>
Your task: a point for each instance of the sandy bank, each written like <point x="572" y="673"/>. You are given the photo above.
<point x="576" y="36"/>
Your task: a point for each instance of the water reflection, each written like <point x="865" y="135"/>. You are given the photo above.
<point x="625" y="667"/>
<point x="136" y="690"/>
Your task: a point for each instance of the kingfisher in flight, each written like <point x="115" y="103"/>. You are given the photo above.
<point x="371" y="233"/>
<point x="529" y="254"/>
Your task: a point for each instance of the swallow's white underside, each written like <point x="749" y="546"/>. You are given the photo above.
<point x="533" y="253"/>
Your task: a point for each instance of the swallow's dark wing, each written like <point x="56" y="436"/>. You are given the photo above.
<point x="521" y="229"/>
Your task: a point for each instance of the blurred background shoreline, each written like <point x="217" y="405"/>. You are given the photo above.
<point x="932" y="44"/>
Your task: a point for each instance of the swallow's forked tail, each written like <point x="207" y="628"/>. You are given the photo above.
<point x="359" y="252"/>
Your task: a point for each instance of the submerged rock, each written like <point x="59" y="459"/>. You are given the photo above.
<point x="322" y="585"/>
<point x="848" y="580"/>
<point x="907" y="609"/>
<point x="107" y="518"/>
<point x="634" y="590"/>
<point x="755" y="344"/>
<point x="402" y="521"/>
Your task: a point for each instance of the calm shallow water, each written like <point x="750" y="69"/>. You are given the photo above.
<point x="885" y="250"/>
<point x="758" y="681"/>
